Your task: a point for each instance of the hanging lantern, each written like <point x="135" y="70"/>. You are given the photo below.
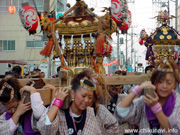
<point x="11" y="9"/>
<point x="123" y="27"/>
<point x="28" y="17"/>
<point x="119" y="10"/>
<point x="141" y="42"/>
<point x="143" y="34"/>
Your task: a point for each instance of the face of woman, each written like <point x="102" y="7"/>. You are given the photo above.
<point x="82" y="99"/>
<point x="11" y="107"/>
<point x="113" y="91"/>
<point x="165" y="86"/>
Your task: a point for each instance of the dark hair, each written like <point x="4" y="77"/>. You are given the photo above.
<point x="17" y="69"/>
<point x="58" y="69"/>
<point x="13" y="82"/>
<point x="119" y="72"/>
<point x="37" y="69"/>
<point x="157" y="75"/>
<point x="150" y="67"/>
<point x="123" y="72"/>
<point x="26" y="74"/>
<point x="14" y="74"/>
<point x="35" y="74"/>
<point x="76" y="80"/>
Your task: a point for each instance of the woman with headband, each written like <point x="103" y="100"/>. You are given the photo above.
<point x="16" y="119"/>
<point x="159" y="113"/>
<point x="78" y="118"/>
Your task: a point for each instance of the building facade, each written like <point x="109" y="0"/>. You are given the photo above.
<point x="178" y="19"/>
<point x="15" y="41"/>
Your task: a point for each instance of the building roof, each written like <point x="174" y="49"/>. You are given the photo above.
<point x="14" y="62"/>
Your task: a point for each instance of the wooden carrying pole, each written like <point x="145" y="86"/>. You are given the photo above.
<point x="46" y="94"/>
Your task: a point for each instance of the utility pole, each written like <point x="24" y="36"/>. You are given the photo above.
<point x="131" y="47"/>
<point x="134" y="61"/>
<point x="176" y="12"/>
<point x="129" y="1"/>
<point x="126" y="52"/>
<point x="118" y="47"/>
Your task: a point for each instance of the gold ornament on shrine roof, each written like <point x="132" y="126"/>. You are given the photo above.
<point x="169" y="37"/>
<point x="161" y="36"/>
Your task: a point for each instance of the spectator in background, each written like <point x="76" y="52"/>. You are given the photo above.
<point x="26" y="76"/>
<point x="149" y="69"/>
<point x="118" y="72"/>
<point x="10" y="74"/>
<point x="42" y="75"/>
<point x="35" y="73"/>
<point x="114" y="91"/>
<point x="124" y="73"/>
<point x="56" y="75"/>
<point x="17" y="69"/>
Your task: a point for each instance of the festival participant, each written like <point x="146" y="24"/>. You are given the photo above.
<point x="57" y="74"/>
<point x="17" y="118"/>
<point x="2" y="108"/>
<point x="42" y="75"/>
<point x="18" y="70"/>
<point x="26" y="76"/>
<point x="107" y="122"/>
<point x="104" y="97"/>
<point x="154" y="115"/>
<point x="149" y="69"/>
<point x="78" y="118"/>
<point x="10" y="74"/>
<point x="114" y="91"/>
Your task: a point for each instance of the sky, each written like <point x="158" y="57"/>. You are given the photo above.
<point x="142" y="11"/>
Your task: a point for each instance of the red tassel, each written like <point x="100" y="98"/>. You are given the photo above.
<point x="47" y="49"/>
<point x="99" y="44"/>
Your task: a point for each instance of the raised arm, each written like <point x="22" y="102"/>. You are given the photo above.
<point x="60" y="96"/>
<point x="156" y="108"/>
<point x="126" y="102"/>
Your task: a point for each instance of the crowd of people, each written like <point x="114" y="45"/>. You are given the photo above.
<point x="17" y="73"/>
<point x="95" y="109"/>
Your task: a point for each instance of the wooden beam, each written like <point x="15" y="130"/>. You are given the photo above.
<point x="46" y="95"/>
<point x="129" y="79"/>
<point x="52" y="81"/>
